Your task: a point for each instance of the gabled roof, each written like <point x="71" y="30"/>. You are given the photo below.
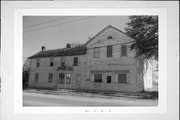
<point x="70" y="51"/>
<point x="60" y="52"/>
<point x="109" y="26"/>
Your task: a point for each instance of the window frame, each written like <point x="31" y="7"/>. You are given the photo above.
<point x="123" y="82"/>
<point x="75" y="61"/>
<point x="109" y="51"/>
<point x="62" y="81"/>
<point x="68" y="82"/>
<point x="37" y="63"/>
<point x="63" y="62"/>
<point x="109" y="37"/>
<point x="96" y="52"/>
<point x="96" y="80"/>
<point x="107" y="79"/>
<point x="51" y="62"/>
<point x="124" y="47"/>
<point x="50" y="77"/>
<point x="36" y="77"/>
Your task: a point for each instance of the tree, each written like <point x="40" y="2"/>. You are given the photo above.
<point x="144" y="29"/>
<point x="26" y="69"/>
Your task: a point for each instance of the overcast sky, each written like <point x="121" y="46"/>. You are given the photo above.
<point x="56" y="31"/>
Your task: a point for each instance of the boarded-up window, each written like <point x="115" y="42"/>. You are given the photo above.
<point x="68" y="78"/>
<point x="37" y="63"/>
<point x="96" y="52"/>
<point x="75" y="61"/>
<point x="62" y="62"/>
<point x="124" y="50"/>
<point x="109" y="51"/>
<point x="122" y="78"/>
<point x="61" y="77"/>
<point x="36" y="77"/>
<point x="51" y="62"/>
<point x="50" y="77"/>
<point x="97" y="77"/>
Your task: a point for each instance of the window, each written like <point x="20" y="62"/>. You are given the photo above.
<point x="96" y="52"/>
<point x="68" y="78"/>
<point x="75" y="61"/>
<point x="37" y="63"/>
<point x="61" y="77"/>
<point x="108" y="79"/>
<point x="97" y="77"/>
<point x="122" y="78"/>
<point x="123" y="50"/>
<point x="62" y="62"/>
<point x="36" y="77"/>
<point x="51" y="61"/>
<point x="50" y="77"/>
<point x="109" y="37"/>
<point x="109" y="51"/>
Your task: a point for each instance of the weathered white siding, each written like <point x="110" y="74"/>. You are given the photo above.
<point x="82" y="76"/>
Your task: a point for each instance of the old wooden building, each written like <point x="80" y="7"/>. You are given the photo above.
<point x="104" y="63"/>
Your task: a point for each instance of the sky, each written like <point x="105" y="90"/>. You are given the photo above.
<point x="55" y="32"/>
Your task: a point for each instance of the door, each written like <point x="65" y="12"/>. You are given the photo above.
<point x="61" y="80"/>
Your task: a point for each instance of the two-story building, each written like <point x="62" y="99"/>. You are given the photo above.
<point x="104" y="63"/>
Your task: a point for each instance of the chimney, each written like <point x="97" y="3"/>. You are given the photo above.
<point x="68" y="45"/>
<point x="43" y="48"/>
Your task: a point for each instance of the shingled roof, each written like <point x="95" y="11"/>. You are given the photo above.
<point x="60" y="52"/>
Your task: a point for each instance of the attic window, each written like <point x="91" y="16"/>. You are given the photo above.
<point x="109" y="37"/>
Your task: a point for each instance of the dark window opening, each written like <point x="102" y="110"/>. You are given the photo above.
<point x="109" y="51"/>
<point x="51" y="62"/>
<point x="122" y="78"/>
<point x="75" y="61"/>
<point x="50" y="77"/>
<point x="108" y="79"/>
<point x="109" y="37"/>
<point x="97" y="77"/>
<point x="123" y="50"/>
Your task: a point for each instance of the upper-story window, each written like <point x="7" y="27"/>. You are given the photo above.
<point x="51" y="62"/>
<point x="124" y="50"/>
<point x="63" y="62"/>
<point x="37" y="63"/>
<point x="96" y="52"/>
<point x="75" y="61"/>
<point x="109" y="37"/>
<point x="109" y="51"/>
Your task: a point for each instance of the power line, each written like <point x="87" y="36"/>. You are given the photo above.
<point x="59" y="24"/>
<point x="54" y="33"/>
<point x="52" y="20"/>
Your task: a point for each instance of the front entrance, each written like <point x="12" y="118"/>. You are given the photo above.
<point x="64" y="80"/>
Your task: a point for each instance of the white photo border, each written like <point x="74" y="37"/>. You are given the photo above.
<point x="18" y="33"/>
